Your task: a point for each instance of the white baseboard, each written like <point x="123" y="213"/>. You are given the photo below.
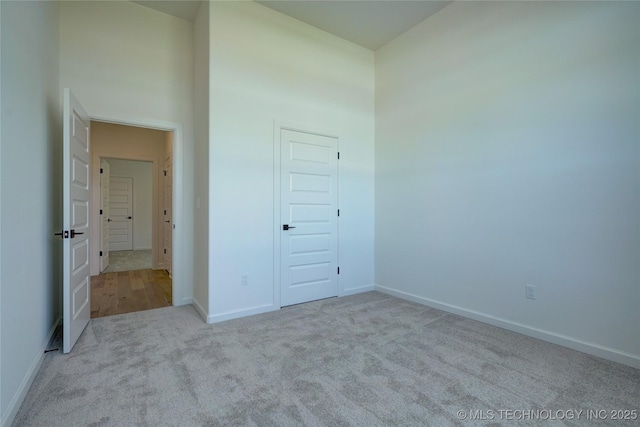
<point x="186" y="301"/>
<point x="353" y="291"/>
<point x="215" y="318"/>
<point x="199" y="309"/>
<point x="25" y="385"/>
<point x="552" y="337"/>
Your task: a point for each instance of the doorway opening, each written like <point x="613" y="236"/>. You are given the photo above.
<point x="131" y="219"/>
<point x="126" y="187"/>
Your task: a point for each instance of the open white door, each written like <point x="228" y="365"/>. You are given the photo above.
<point x="104" y="214"/>
<point x="75" y="233"/>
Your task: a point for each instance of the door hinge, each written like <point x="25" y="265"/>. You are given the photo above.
<point x="100" y="253"/>
<point x="101" y="170"/>
<point x="101" y="212"/>
<point x="338" y="270"/>
<point x="165" y="251"/>
<point x="338" y="155"/>
<point x="165" y="211"/>
<point x="338" y="212"/>
<point x="165" y="173"/>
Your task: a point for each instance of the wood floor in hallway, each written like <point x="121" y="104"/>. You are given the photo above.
<point x="129" y="291"/>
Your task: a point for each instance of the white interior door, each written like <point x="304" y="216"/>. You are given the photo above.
<point x="76" y="287"/>
<point x="168" y="201"/>
<point x="309" y="214"/>
<point x="121" y="213"/>
<point x="104" y="214"/>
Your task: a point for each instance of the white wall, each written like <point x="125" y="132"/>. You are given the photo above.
<point x="142" y="192"/>
<point x="1" y="383"/>
<point x="129" y="63"/>
<point x="265" y="66"/>
<point x="507" y="153"/>
<point x="30" y="177"/>
<point x="201" y="160"/>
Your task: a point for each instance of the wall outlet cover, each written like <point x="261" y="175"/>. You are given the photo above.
<point x="530" y="292"/>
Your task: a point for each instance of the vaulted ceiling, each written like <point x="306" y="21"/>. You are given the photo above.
<point x="371" y="23"/>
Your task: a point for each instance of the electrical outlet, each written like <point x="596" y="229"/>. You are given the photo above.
<point x="530" y="291"/>
<point x="245" y="279"/>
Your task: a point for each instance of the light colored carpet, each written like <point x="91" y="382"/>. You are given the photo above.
<point x="128" y="261"/>
<point x="363" y="360"/>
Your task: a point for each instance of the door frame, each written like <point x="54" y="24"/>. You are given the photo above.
<point x="103" y="213"/>
<point x="278" y="127"/>
<point x="169" y="267"/>
<point x="178" y="267"/>
<point x="95" y="171"/>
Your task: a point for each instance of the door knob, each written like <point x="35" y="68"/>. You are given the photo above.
<point x="167" y="221"/>
<point x="108" y="219"/>
<point x="129" y="217"/>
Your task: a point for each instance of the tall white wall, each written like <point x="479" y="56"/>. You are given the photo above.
<point x="265" y="66"/>
<point x="507" y="153"/>
<point x="201" y="160"/>
<point x="30" y="180"/>
<point x="129" y="63"/>
<point x="142" y="192"/>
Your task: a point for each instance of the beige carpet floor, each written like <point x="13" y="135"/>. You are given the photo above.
<point x="363" y="360"/>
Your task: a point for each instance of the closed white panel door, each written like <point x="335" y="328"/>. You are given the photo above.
<point x="168" y="202"/>
<point x="104" y="214"/>
<point x="121" y="213"/>
<point x="76" y="291"/>
<point x="309" y="214"/>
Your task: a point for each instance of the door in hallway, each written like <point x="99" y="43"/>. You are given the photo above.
<point x="104" y="214"/>
<point x="168" y="223"/>
<point x="309" y="217"/>
<point x="121" y="213"/>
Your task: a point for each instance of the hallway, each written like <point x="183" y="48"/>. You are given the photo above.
<point x="128" y="260"/>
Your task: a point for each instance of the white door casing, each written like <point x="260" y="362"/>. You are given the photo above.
<point x="309" y="209"/>
<point x="167" y="209"/>
<point x="121" y="213"/>
<point x="76" y="287"/>
<point x="104" y="214"/>
<point x="181" y="282"/>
